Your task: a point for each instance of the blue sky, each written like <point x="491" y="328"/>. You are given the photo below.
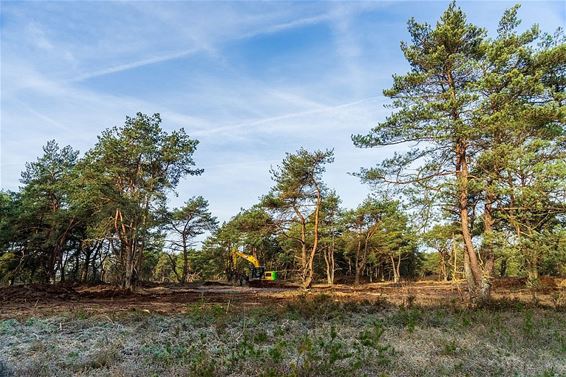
<point x="250" y="80"/>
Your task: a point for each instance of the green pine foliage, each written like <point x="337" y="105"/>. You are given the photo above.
<point x="478" y="191"/>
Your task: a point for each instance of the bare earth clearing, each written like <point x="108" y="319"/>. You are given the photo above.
<point x="411" y="329"/>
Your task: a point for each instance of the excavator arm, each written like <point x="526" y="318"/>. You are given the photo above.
<point x="250" y="258"/>
<point x="258" y="272"/>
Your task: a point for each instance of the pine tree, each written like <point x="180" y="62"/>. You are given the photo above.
<point x="432" y="109"/>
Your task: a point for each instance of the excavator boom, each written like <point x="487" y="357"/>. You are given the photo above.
<point x="250" y="258"/>
<point x="258" y="272"/>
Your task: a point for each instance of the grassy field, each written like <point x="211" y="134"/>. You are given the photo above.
<point x="316" y="334"/>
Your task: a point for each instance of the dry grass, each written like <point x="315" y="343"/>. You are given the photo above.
<point x="41" y="301"/>
<point x="301" y="335"/>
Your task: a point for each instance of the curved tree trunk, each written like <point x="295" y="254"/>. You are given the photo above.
<point x="475" y="270"/>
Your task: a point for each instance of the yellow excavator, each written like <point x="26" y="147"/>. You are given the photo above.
<point x="257" y="271"/>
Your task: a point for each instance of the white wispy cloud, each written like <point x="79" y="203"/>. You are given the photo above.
<point x="253" y="125"/>
<point x="39" y="37"/>
<point x="187" y="52"/>
<point x="337" y="14"/>
<point x="135" y="64"/>
<point x="64" y="65"/>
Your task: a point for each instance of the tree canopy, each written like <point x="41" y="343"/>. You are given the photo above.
<point x="476" y="189"/>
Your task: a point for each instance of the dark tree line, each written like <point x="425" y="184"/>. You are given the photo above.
<point x="95" y="218"/>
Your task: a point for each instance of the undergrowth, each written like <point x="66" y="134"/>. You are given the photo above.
<point x="314" y="335"/>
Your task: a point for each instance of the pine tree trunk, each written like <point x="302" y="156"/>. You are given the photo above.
<point x="332" y="262"/>
<point x="394" y="268"/>
<point x="489" y="258"/>
<point x="468" y="273"/>
<point x="358" y="263"/>
<point x="473" y="262"/>
<point x="329" y="261"/>
<point x="455" y="266"/>
<point x="503" y="267"/>
<point x="129" y="268"/>
<point x="532" y="271"/>
<point x="443" y="268"/>
<point x="185" y="276"/>
<point x="86" y="264"/>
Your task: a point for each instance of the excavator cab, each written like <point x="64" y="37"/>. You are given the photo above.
<point x="257" y="273"/>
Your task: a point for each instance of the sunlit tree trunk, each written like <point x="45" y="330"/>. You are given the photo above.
<point x="309" y="270"/>
<point x="358" y="262"/>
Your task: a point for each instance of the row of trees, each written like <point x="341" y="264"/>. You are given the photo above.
<point x="98" y="217"/>
<point x="104" y="217"/>
<point x="479" y="191"/>
<point x="299" y="224"/>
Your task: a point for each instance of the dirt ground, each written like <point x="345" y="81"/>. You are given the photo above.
<point x="47" y="300"/>
<point x="418" y="329"/>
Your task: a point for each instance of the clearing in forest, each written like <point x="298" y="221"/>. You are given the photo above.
<point x="415" y="329"/>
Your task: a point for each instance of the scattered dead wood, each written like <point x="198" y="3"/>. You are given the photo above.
<point x="40" y="300"/>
